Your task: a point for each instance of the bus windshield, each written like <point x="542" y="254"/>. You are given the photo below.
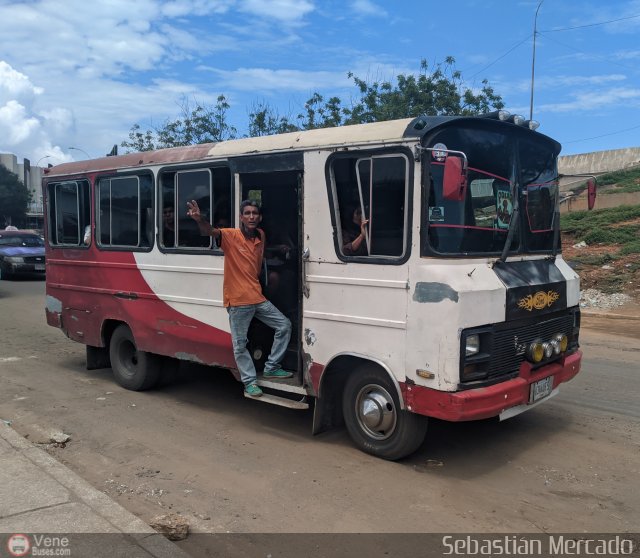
<point x="504" y="171"/>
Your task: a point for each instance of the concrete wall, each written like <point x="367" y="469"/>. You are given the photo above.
<point x="579" y="203"/>
<point x="599" y="162"/>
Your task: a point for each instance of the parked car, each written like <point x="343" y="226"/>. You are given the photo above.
<point x="21" y="252"/>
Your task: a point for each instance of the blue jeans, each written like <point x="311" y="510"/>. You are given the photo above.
<point x="239" y="320"/>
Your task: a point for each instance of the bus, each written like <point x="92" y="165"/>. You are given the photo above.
<point x="458" y="305"/>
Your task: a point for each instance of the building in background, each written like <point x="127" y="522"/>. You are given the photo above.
<point x="31" y="176"/>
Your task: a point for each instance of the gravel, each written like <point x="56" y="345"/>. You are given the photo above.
<point x="593" y="298"/>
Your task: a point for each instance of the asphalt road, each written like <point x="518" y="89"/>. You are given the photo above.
<point x="199" y="448"/>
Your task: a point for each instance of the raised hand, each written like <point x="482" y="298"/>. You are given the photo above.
<point x="193" y="210"/>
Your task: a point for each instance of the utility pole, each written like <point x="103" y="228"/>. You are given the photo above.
<point x="533" y="61"/>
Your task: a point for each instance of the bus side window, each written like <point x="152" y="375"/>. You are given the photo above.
<point x="122" y="216"/>
<point x="193" y="185"/>
<point x="375" y="189"/>
<point x="69" y="212"/>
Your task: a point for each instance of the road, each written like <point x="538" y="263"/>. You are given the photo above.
<point x="197" y="447"/>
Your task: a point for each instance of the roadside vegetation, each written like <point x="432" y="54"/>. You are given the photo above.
<point x="623" y="181"/>
<point x="609" y="259"/>
<point x="615" y="225"/>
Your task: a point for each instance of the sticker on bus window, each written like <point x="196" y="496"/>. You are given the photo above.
<point x="436" y="214"/>
<point x="439" y="152"/>
<point x="504" y="208"/>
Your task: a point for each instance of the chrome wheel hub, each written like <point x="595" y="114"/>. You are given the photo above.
<point x="376" y="411"/>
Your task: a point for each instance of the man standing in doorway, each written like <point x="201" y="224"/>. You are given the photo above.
<point x="242" y="293"/>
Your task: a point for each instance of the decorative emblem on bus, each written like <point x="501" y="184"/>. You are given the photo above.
<point x="538" y="301"/>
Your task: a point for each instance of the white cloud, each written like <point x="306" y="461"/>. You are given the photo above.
<point x="14" y="85"/>
<point x="287" y="11"/>
<point x="22" y="127"/>
<point x="593" y="100"/>
<point x="627" y="55"/>
<point x="368" y="8"/>
<point x="557" y="82"/>
<point x="181" y="8"/>
<point x="15" y="124"/>
<point x="245" y="79"/>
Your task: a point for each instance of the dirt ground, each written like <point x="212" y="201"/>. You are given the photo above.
<point x="620" y="274"/>
<point x="198" y="448"/>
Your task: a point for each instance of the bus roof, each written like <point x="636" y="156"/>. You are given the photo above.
<point x="390" y="131"/>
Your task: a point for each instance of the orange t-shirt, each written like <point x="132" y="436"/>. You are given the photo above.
<point x="242" y="264"/>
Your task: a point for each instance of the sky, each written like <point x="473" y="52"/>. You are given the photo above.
<point x="78" y="74"/>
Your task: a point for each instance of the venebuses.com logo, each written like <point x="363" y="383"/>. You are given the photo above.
<point x="38" y="545"/>
<point x="18" y="545"/>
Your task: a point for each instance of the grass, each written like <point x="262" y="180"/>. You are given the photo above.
<point x="607" y="226"/>
<point x="625" y="181"/>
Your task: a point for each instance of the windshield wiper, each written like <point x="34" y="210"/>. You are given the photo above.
<point x="513" y="223"/>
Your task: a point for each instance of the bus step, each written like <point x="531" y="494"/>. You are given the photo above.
<point x="282" y="401"/>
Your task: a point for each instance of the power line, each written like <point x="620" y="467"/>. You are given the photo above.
<point x="603" y="135"/>
<point x="502" y="56"/>
<point x="588" y="54"/>
<point x="553" y="31"/>
<point x="590" y="24"/>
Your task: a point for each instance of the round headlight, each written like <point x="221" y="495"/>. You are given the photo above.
<point x="535" y="352"/>
<point x="556" y="346"/>
<point x="548" y="349"/>
<point x="563" y="341"/>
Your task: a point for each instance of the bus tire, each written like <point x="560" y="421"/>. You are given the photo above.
<point x="132" y="369"/>
<point x="374" y="419"/>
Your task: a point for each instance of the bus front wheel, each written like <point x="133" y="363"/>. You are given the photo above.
<point x="374" y="419"/>
<point x="132" y="369"/>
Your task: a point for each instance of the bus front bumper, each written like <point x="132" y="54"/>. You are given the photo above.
<point x="491" y="401"/>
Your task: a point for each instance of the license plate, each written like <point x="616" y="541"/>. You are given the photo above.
<point x="541" y="389"/>
<point x="39" y="267"/>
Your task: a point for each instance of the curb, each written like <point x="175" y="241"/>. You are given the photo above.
<point x="104" y="507"/>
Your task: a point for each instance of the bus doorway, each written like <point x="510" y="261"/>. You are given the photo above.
<point x="279" y="196"/>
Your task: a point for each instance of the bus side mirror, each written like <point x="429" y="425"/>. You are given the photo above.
<point x="454" y="185"/>
<point x="591" y="193"/>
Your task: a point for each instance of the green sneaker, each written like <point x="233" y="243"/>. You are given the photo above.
<point x="253" y="390"/>
<point x="278" y="374"/>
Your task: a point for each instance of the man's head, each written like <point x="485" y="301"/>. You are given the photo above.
<point x="168" y="216"/>
<point x="250" y="215"/>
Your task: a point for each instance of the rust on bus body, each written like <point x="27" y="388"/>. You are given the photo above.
<point x="133" y="160"/>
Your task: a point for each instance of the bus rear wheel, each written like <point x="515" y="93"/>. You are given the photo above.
<point x="132" y="369"/>
<point x="374" y="419"/>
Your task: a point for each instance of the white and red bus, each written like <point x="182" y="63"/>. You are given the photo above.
<point x="459" y="306"/>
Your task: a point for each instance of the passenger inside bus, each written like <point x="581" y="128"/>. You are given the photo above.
<point x="354" y="233"/>
<point x="168" y="226"/>
<point x="281" y="268"/>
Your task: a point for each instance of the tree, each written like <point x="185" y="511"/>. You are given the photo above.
<point x="198" y="124"/>
<point x="139" y="141"/>
<point x="431" y="92"/>
<point x="436" y="92"/>
<point x="264" y="120"/>
<point x="14" y="197"/>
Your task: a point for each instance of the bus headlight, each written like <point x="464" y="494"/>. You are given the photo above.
<point x="563" y="341"/>
<point x="15" y="259"/>
<point x="535" y="352"/>
<point x="472" y="345"/>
